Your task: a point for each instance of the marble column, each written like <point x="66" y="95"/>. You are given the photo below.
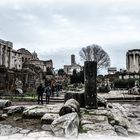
<point x="90" y="84"/>
<point x="0" y="54"/>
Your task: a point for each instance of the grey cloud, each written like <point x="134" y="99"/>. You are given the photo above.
<point x="51" y="26"/>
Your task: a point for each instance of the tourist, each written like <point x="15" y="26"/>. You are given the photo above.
<point x="40" y="91"/>
<point x="57" y="88"/>
<point x="47" y="90"/>
<point x="52" y="87"/>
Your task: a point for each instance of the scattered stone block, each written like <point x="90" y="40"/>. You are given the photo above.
<point x="8" y="130"/>
<point x="34" y="113"/>
<point x="17" y="118"/>
<point x="66" y="125"/>
<point x="5" y="103"/>
<point x="48" y="118"/>
<point x="98" y="127"/>
<point x="46" y="127"/>
<point x="3" y="117"/>
<point x="25" y="131"/>
<point x="121" y="131"/>
<point x="70" y="106"/>
<point x="103" y="133"/>
<point x="94" y="118"/>
<point x="13" y="109"/>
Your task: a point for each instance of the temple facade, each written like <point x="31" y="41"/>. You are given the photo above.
<point x="133" y="61"/>
<point x="9" y="57"/>
<point x="6" y="53"/>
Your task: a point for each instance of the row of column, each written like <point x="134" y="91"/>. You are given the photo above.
<point x="5" y="55"/>
<point x="133" y="62"/>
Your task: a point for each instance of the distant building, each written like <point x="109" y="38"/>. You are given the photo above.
<point x="6" y="53"/>
<point x="26" y="55"/>
<point x="133" y="61"/>
<point x="68" y="69"/>
<point x="112" y="70"/>
<point x="11" y="58"/>
<point x="32" y="58"/>
<point x="16" y="61"/>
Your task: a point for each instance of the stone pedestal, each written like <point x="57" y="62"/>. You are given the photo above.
<point x="90" y="84"/>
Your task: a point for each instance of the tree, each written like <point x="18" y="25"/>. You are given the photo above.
<point x="61" y="72"/>
<point x="95" y="53"/>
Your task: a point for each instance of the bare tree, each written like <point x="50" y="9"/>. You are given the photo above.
<point x="95" y="53"/>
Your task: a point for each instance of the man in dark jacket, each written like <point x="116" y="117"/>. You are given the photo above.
<point x="40" y="91"/>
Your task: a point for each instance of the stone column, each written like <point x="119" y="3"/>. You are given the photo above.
<point x="134" y="61"/>
<point x="90" y="84"/>
<point x="10" y="58"/>
<point x="0" y="54"/>
<point x="131" y="63"/>
<point x="5" y="57"/>
<point x="127" y="61"/>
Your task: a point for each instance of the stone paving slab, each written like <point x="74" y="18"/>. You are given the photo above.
<point x="117" y="94"/>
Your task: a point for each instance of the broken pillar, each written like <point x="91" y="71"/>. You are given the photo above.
<point x="90" y="74"/>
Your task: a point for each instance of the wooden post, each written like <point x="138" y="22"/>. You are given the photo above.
<point x="90" y="84"/>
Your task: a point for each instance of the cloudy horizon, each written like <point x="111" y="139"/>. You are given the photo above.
<point x="55" y="29"/>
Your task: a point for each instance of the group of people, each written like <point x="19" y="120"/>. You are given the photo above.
<point x="47" y="91"/>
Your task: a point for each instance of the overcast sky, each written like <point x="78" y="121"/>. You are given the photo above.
<point x="55" y="29"/>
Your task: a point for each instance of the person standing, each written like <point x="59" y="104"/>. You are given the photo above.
<point x="40" y="91"/>
<point x="57" y="87"/>
<point x="52" y="87"/>
<point x="47" y="90"/>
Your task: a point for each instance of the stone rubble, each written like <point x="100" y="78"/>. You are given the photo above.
<point x="115" y="120"/>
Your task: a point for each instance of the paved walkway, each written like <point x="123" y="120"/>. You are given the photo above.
<point x="118" y="94"/>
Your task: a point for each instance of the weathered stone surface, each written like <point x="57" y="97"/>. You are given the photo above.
<point x="39" y="111"/>
<point x="13" y="109"/>
<point x="70" y="106"/>
<point x="66" y="125"/>
<point x="17" y="118"/>
<point x="94" y="118"/>
<point x="86" y="122"/>
<point x="121" y="131"/>
<point x="16" y="136"/>
<point x="3" y="117"/>
<point x="90" y="75"/>
<point x="101" y="101"/>
<point x="99" y="112"/>
<point x="118" y="116"/>
<point x="25" y="131"/>
<point x="104" y="133"/>
<point x="8" y="130"/>
<point x="46" y="127"/>
<point x="133" y="131"/>
<point x="5" y="103"/>
<point x="74" y="104"/>
<point x="79" y="96"/>
<point x="48" y="118"/>
<point x="40" y="134"/>
<point x="134" y="90"/>
<point x="98" y="127"/>
<point x="34" y="113"/>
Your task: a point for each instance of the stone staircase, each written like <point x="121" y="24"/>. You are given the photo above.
<point x="57" y="99"/>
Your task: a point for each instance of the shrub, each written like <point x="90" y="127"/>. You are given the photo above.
<point x="124" y="83"/>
